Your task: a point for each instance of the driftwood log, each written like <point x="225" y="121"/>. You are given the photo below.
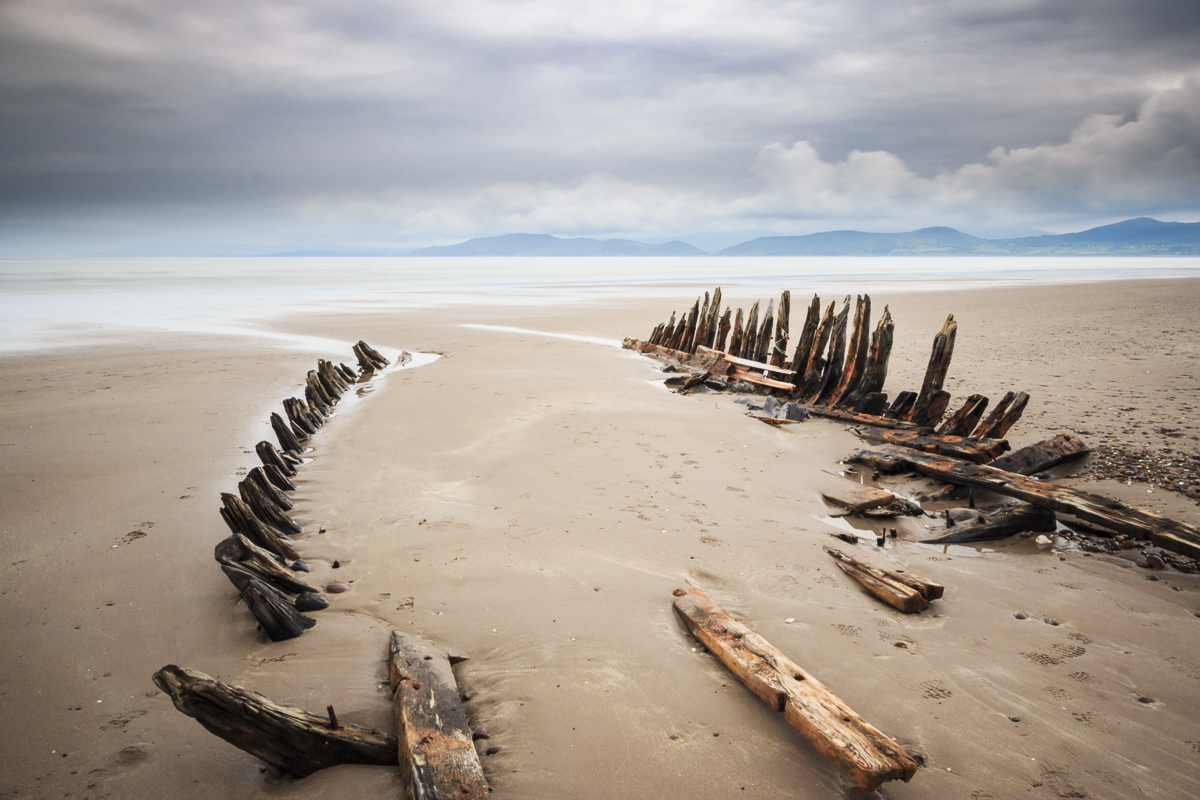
<point x="858" y="749"/>
<point x="904" y="591"/>
<point x="1179" y="537"/>
<point x="1035" y="458"/>
<point x="1000" y="524"/>
<point x="289" y="739"/>
<point x="437" y="756"/>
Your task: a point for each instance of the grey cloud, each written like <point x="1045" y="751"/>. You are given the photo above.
<point x="419" y="116"/>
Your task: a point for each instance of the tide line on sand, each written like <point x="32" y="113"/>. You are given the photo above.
<point x="571" y="336"/>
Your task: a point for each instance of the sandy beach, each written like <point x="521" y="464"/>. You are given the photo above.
<point x="532" y="501"/>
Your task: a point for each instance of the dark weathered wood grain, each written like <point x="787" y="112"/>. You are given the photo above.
<point x="289" y="739"/>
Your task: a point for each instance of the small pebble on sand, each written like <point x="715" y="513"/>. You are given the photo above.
<point x="336" y="588"/>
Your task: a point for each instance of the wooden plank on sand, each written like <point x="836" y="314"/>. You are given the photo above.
<point x="437" y="758"/>
<point x="908" y="593"/>
<point x="1035" y="458"/>
<point x="292" y="740"/>
<point x="866" y="419"/>
<point x="1000" y="524"/>
<point x="857" y="748"/>
<point x="854" y="497"/>
<point x="1113" y="514"/>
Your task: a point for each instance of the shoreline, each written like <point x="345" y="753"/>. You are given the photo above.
<point x="440" y="462"/>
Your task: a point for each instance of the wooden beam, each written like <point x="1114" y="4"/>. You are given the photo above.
<point x="1000" y="524"/>
<point x="1113" y="514"/>
<point x="979" y="451"/>
<point x="858" y="749"/>
<point x="735" y="343"/>
<point x="750" y="335"/>
<point x="854" y="497"/>
<point x="1035" y="458"/>
<point x="743" y="374"/>
<point x="437" y="756"/>
<point x="741" y="362"/>
<point x="289" y="739"/>
<point x="903" y="595"/>
<point x="723" y="331"/>
<point x="866" y="419"/>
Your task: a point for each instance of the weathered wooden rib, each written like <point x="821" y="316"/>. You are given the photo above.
<point x="265" y="508"/>
<point x="701" y="325"/>
<point x="749" y="336"/>
<point x="436" y="754"/>
<point x="1179" y="537"/>
<point x="277" y="478"/>
<point x="377" y="359"/>
<point x="238" y="551"/>
<point x="762" y="349"/>
<point x="816" y="362"/>
<point x="723" y="331"/>
<point x="318" y="396"/>
<point x="899" y="591"/>
<point x="297" y="413"/>
<point x="716" y="355"/>
<point x="241" y="519"/>
<point x="804" y="345"/>
<point x="1003" y="416"/>
<point x="735" y="342"/>
<point x="901" y="405"/>
<point x="854" y="497"/>
<point x="1000" y="524"/>
<point x="835" y="362"/>
<point x="875" y="372"/>
<point x="290" y="739"/>
<point x="287" y="439"/>
<point x="963" y="421"/>
<point x="935" y="373"/>
<point x="316" y="400"/>
<point x="856" y="356"/>
<point x="1035" y="458"/>
<point x="278" y="495"/>
<point x="778" y="356"/>
<point x="858" y="749"/>
<point x="270" y="456"/>
<point x="978" y="451"/>
<point x="276" y="615"/>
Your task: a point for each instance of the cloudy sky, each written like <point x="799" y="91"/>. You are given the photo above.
<point x="369" y="122"/>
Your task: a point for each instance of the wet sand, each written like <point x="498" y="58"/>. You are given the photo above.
<point x="532" y="502"/>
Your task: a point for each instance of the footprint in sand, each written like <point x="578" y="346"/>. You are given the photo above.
<point x="1068" y="650"/>
<point x="1081" y="638"/>
<point x="119" y="722"/>
<point x="847" y="630"/>
<point x="1043" y="659"/>
<point x="1082" y="677"/>
<point x="1058" y="694"/>
<point x="1086" y="717"/>
<point x="936" y="690"/>
<point x="711" y="540"/>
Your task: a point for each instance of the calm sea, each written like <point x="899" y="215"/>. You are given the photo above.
<point x="55" y="303"/>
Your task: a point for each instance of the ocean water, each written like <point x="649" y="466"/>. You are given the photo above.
<point x="56" y="303"/>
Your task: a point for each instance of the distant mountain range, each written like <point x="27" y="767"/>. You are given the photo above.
<point x="1133" y="237"/>
<point x="542" y="244"/>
